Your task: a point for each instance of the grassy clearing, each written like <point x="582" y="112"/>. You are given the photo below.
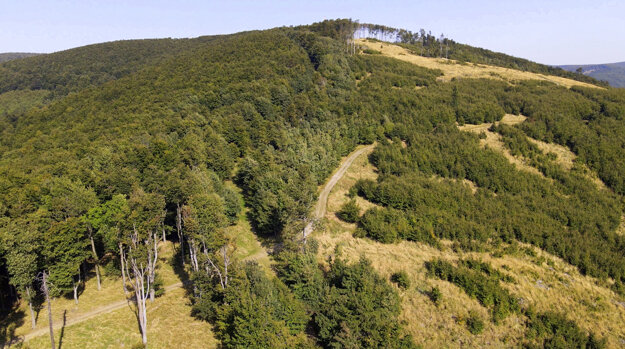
<point x="248" y="247"/>
<point x="566" y="158"/>
<point x="543" y="280"/>
<point x="119" y="328"/>
<point x="170" y="325"/>
<point x="493" y="141"/>
<point x="563" y="156"/>
<point x="453" y="69"/>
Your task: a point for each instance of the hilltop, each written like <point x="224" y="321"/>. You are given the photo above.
<point x="613" y="73"/>
<point x="9" y="56"/>
<point x="330" y="185"/>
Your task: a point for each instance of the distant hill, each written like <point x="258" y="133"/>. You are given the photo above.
<point x="614" y="73"/>
<point x="9" y="56"/>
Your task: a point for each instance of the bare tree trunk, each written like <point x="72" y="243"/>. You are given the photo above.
<point x="152" y="259"/>
<point x="76" y="284"/>
<point x="46" y="292"/>
<point x="33" y="321"/>
<point x="138" y="281"/>
<point x="122" y="260"/>
<point x="179" y="228"/>
<point x="141" y="306"/>
<point x="224" y="252"/>
<point x="193" y="255"/>
<point x="217" y="270"/>
<point x="95" y="258"/>
<point x="164" y="236"/>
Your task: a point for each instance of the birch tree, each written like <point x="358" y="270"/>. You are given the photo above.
<point x="204" y="220"/>
<point x="147" y="214"/>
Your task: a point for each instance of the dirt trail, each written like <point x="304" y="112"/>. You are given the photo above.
<point x="322" y="204"/>
<point x="319" y="213"/>
<point x="84" y="317"/>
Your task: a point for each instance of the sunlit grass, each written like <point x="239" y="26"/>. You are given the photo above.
<point x="542" y="279"/>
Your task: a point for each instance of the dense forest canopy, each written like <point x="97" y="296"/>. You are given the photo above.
<point x="107" y="149"/>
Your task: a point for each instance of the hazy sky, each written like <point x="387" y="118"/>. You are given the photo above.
<point x="551" y="32"/>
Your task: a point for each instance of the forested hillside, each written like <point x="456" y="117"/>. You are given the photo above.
<point x="9" y="56"/>
<point x="107" y="151"/>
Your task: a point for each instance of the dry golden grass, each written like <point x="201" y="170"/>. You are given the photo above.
<point x="453" y="69"/>
<point x="566" y="158"/>
<point x="493" y="141"/>
<point x="542" y="280"/>
<point x="361" y="168"/>
<point x="170" y="325"/>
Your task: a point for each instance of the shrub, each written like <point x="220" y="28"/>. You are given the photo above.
<point x="349" y="212"/>
<point x="401" y="279"/>
<point x="475" y="324"/>
<point x="371" y="52"/>
<point x="435" y="295"/>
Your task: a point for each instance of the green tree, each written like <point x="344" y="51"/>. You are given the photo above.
<point x="22" y="242"/>
<point x="65" y="250"/>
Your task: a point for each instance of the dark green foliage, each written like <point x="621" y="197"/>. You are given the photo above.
<point x="351" y="305"/>
<point x="75" y="69"/>
<point x="253" y="311"/>
<point x="475" y="324"/>
<point x="371" y="52"/>
<point x="435" y="295"/>
<point x="485" y="289"/>
<point x="65" y="249"/>
<point x="349" y="212"/>
<point x="359" y="310"/>
<point x="552" y="330"/>
<point x="487" y="269"/>
<point x="385" y="225"/>
<point x="527" y="207"/>
<point x="401" y="279"/>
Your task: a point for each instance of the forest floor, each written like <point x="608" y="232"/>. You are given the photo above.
<point x="541" y="279"/>
<point x="455" y="69"/>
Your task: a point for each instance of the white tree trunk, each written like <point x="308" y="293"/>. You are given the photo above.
<point x="46" y="292"/>
<point x="140" y="282"/>
<point x="33" y="320"/>
<point x="179" y="228"/>
<point x="122" y="260"/>
<point x="96" y="259"/>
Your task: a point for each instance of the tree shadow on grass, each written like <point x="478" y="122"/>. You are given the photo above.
<point x="63" y="329"/>
<point x="175" y="261"/>
<point x="13" y="320"/>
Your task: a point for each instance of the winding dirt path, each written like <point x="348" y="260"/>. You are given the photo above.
<point x="319" y="213"/>
<point x="86" y="316"/>
<point x="322" y="204"/>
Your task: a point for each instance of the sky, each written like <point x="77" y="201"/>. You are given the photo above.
<point x="549" y="32"/>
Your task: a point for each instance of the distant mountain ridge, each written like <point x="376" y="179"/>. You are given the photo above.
<point x="9" y="56"/>
<point x="613" y="73"/>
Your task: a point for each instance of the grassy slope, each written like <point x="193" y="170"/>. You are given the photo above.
<point x="453" y="69"/>
<point x="542" y="279"/>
